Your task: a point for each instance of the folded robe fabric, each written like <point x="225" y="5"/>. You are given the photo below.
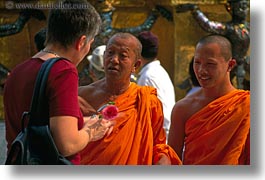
<point x="219" y="134"/>
<point x="138" y="137"/>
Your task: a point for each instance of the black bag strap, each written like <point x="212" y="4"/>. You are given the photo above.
<point x="39" y="110"/>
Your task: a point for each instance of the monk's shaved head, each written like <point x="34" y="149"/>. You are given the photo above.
<point x="138" y="45"/>
<point x="221" y="41"/>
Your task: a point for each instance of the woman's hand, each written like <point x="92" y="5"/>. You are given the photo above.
<point x="97" y="127"/>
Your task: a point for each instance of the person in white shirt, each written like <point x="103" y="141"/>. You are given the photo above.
<point x="153" y="74"/>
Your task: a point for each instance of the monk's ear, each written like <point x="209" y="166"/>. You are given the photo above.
<point x="231" y="64"/>
<point x="137" y="64"/>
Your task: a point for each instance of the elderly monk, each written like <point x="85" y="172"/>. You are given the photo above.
<point x="213" y="124"/>
<point x="138" y="137"/>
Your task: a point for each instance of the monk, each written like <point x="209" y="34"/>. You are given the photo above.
<point x="212" y="126"/>
<point x="138" y="137"/>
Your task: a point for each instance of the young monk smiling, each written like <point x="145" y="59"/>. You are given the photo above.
<point x="213" y="124"/>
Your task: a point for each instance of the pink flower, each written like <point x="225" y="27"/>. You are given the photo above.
<point x="110" y="112"/>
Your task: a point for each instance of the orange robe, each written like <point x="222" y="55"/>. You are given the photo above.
<point x="138" y="136"/>
<point x="219" y="133"/>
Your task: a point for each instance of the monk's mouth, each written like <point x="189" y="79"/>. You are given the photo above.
<point x="113" y="69"/>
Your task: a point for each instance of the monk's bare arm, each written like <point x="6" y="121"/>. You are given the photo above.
<point x="177" y="127"/>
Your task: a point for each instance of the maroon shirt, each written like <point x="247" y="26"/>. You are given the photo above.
<point x="62" y="91"/>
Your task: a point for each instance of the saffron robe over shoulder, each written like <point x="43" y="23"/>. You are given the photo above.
<point x="220" y="133"/>
<point x="138" y="137"/>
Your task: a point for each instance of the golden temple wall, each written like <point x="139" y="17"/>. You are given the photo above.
<point x="177" y="38"/>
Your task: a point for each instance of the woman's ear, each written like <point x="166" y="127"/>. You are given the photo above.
<point x="82" y="42"/>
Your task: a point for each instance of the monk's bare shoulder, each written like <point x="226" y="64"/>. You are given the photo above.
<point x="89" y="90"/>
<point x="94" y="93"/>
<point x="189" y="105"/>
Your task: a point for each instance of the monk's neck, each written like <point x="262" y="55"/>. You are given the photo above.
<point x="115" y="88"/>
<point x="216" y="93"/>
